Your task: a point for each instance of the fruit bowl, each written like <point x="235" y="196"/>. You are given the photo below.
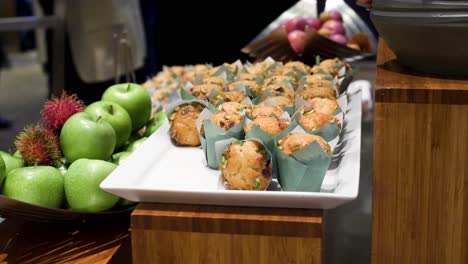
<point x="58" y="164"/>
<point x="428" y="38"/>
<point x="276" y="46"/>
<point x="11" y="208"/>
<point x="335" y="33"/>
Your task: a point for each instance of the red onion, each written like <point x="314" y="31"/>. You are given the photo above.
<point x="335" y="15"/>
<point x="334" y="27"/>
<point x="314" y="23"/>
<point x="339" y="39"/>
<point x="296" y="23"/>
<point x="324" y="32"/>
<point x="331" y="15"/>
<point x="296" y="39"/>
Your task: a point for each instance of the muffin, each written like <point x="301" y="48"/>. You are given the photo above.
<point x="329" y="66"/>
<point x="244" y="76"/>
<point x="170" y="85"/>
<point x="280" y="100"/>
<point x="246" y="166"/>
<point x="318" y="77"/>
<point x="263" y="68"/>
<point x="162" y="94"/>
<point x="280" y="89"/>
<point x="272" y="125"/>
<point x="294" y="142"/>
<point x="197" y="71"/>
<point x="203" y="91"/>
<point x="148" y="84"/>
<point x="305" y="170"/>
<point x="231" y="67"/>
<point x="189" y="76"/>
<point x="266" y="63"/>
<point x="232" y="107"/>
<point x="322" y="92"/>
<point x="264" y="110"/>
<point x="278" y="79"/>
<point x="163" y="77"/>
<point x="200" y="68"/>
<point x="316" y="120"/>
<point x="322" y="105"/>
<point x="178" y="70"/>
<point x="216" y="127"/>
<point x="317" y="80"/>
<point x="215" y="80"/>
<point x="252" y="85"/>
<point x="255" y="70"/>
<point x="183" y="123"/>
<point x="225" y="120"/>
<point x="297" y="65"/>
<point x="231" y="96"/>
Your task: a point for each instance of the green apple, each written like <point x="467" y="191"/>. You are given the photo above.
<point x="3" y="172"/>
<point x="82" y="185"/>
<point x="133" y="137"/>
<point x="134" y="98"/>
<point x="125" y="203"/>
<point x="156" y="122"/>
<point x="85" y="136"/>
<point x="116" y="116"/>
<point x="17" y="154"/>
<point x="39" y="185"/>
<point x="63" y="169"/>
<point x="63" y="166"/>
<point x="11" y="162"/>
<point x="121" y="156"/>
<point x="135" y="144"/>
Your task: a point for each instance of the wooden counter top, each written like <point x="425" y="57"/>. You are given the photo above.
<point x="408" y="86"/>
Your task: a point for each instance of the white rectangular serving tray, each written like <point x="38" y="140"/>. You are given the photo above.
<point x="158" y="171"/>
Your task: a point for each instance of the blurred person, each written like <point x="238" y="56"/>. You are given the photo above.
<point x="90" y="46"/>
<point x="365" y="3"/>
<point x="27" y="38"/>
<point x="148" y="12"/>
<point x="3" y="64"/>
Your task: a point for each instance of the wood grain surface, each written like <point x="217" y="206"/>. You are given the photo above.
<point x="395" y="83"/>
<point x="31" y="242"/>
<point x="175" y="233"/>
<point x="11" y="208"/>
<point x="420" y="194"/>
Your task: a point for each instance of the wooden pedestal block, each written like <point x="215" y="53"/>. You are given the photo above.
<point x="420" y="185"/>
<point x="174" y="233"/>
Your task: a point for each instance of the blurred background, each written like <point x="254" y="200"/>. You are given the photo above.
<point x="160" y="33"/>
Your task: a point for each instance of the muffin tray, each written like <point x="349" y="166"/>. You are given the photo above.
<point x="158" y="171"/>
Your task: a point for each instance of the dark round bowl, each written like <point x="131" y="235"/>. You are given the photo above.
<point x="11" y="208"/>
<point x="428" y="40"/>
<point x="437" y="5"/>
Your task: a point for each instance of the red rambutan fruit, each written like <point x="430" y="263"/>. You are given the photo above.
<point x="57" y="110"/>
<point x="38" y="146"/>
